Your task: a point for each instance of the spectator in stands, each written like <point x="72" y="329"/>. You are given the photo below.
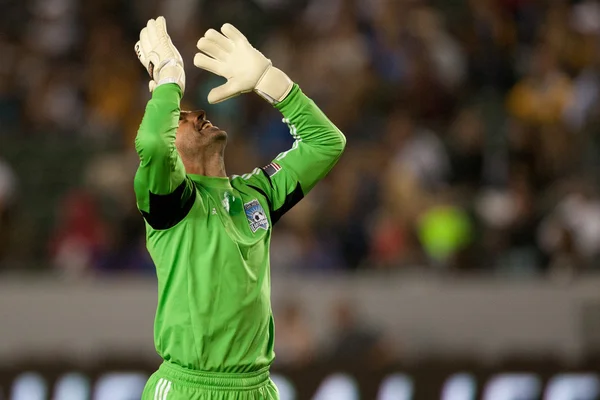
<point x="466" y="144"/>
<point x="427" y="25"/>
<point x="79" y="236"/>
<point x="570" y="234"/>
<point x="509" y="225"/>
<point x="417" y="150"/>
<point x="446" y="232"/>
<point x="544" y="94"/>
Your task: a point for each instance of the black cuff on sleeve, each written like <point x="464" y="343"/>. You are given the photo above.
<point x="291" y="199"/>
<point x="168" y="210"/>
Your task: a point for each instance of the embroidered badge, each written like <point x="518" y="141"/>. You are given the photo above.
<point x="272" y="169"/>
<point x="256" y="216"/>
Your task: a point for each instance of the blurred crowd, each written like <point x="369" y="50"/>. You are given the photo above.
<point x="352" y="339"/>
<point x="472" y="129"/>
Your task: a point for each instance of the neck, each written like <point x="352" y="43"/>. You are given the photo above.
<point x="210" y="163"/>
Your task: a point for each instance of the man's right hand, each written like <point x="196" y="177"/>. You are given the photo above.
<point x="159" y="56"/>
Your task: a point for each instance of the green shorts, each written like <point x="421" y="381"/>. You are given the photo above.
<point x="172" y="382"/>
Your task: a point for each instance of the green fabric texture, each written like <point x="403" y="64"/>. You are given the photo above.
<point x="214" y="308"/>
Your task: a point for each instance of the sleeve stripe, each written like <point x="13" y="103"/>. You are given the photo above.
<point x="292" y="127"/>
<point x="294" y="147"/>
<point x="294" y="133"/>
<point x="247" y="176"/>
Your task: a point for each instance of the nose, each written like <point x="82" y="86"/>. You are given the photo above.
<point x="200" y="115"/>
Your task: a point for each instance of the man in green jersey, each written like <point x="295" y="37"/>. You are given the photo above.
<point x="208" y="234"/>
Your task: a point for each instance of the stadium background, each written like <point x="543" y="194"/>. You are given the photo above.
<point x="452" y="253"/>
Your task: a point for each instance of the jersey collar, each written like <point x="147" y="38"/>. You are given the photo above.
<point x="211" y="181"/>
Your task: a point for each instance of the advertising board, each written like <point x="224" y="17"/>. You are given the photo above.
<point x="456" y="380"/>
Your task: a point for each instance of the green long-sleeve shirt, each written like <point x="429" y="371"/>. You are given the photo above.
<point x="209" y="237"/>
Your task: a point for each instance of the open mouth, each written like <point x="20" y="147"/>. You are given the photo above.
<point x="205" y="125"/>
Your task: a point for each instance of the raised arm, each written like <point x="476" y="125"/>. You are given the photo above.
<point x="317" y="147"/>
<point x="163" y="194"/>
<point x="318" y="143"/>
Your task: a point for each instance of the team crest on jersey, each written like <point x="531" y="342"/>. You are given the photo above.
<point x="257" y="218"/>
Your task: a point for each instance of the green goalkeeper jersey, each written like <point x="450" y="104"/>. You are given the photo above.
<point x="209" y="237"/>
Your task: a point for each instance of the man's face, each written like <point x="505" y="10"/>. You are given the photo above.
<point x="195" y="132"/>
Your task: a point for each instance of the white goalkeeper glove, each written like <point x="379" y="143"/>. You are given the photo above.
<point x="158" y="54"/>
<point x="231" y="56"/>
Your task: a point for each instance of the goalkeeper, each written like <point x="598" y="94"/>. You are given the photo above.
<point x="208" y="234"/>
